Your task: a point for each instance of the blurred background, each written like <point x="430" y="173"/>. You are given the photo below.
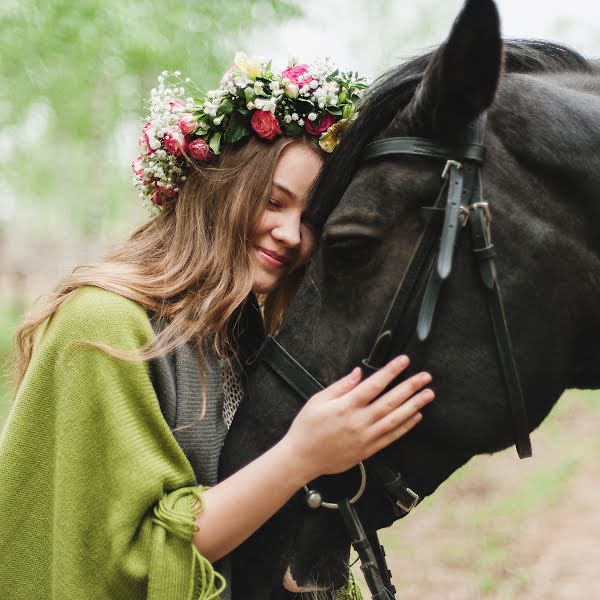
<point x="73" y="76"/>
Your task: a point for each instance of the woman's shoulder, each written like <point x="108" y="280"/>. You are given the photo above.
<point x="96" y="314"/>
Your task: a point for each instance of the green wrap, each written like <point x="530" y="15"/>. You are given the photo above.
<point x="96" y="497"/>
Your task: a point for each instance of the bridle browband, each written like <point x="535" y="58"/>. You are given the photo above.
<point x="463" y="204"/>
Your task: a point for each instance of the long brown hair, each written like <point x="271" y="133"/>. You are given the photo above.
<point x="191" y="264"/>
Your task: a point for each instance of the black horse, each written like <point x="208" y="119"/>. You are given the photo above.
<point x="541" y="176"/>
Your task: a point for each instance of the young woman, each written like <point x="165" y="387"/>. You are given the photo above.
<point x="129" y="374"/>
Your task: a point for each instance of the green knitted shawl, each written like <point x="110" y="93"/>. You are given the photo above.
<point x="97" y="499"/>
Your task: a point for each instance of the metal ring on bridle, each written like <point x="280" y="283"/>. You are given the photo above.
<point x="355" y="498"/>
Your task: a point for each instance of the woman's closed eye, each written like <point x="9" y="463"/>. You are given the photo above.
<point x="275" y="204"/>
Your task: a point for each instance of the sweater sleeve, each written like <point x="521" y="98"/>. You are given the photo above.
<point x="100" y="501"/>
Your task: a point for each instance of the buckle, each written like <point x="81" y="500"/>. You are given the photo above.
<point x="450" y="163"/>
<point x="486" y="209"/>
<point x="414" y="502"/>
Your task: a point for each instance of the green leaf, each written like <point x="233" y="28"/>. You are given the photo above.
<point x="237" y="129"/>
<point x="226" y="106"/>
<point x="249" y="93"/>
<point x="334" y="110"/>
<point x="304" y="106"/>
<point x="333" y="75"/>
<point x="292" y="128"/>
<point x="215" y="142"/>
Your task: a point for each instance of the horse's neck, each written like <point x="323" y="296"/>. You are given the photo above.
<point x="552" y="121"/>
<point x="550" y="126"/>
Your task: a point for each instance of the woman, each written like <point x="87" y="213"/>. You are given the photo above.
<point x="108" y="462"/>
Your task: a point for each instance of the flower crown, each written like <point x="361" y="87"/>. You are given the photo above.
<point x="185" y="122"/>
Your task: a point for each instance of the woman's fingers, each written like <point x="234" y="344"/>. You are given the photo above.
<point x="395" y="434"/>
<point x="397" y="418"/>
<point x="397" y="396"/>
<point x="342" y="386"/>
<point x="371" y="387"/>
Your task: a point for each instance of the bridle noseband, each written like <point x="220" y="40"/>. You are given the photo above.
<point x="463" y="204"/>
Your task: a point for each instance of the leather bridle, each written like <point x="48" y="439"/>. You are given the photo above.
<point x="463" y="204"/>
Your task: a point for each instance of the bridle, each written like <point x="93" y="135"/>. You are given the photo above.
<point x="463" y="204"/>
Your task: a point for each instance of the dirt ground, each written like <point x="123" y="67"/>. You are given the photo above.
<point x="502" y="528"/>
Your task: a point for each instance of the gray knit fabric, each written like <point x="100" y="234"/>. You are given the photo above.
<point x="176" y="379"/>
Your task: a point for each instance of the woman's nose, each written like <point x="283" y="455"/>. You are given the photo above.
<point x="288" y="232"/>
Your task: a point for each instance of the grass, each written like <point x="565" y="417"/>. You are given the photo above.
<point x="473" y="538"/>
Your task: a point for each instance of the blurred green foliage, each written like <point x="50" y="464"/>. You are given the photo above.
<point x="73" y="74"/>
<point x="92" y="59"/>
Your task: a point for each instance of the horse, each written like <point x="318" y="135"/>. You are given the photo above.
<point x="540" y="184"/>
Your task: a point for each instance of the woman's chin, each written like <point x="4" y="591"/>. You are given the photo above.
<point x="264" y="284"/>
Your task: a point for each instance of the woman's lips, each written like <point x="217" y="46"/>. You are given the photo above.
<point x="271" y="258"/>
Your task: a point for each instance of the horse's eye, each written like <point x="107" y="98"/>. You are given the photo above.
<point x="350" y="250"/>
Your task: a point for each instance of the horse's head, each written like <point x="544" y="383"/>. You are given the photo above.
<point x="540" y="107"/>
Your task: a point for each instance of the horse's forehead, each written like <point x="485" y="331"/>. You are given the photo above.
<point x="384" y="189"/>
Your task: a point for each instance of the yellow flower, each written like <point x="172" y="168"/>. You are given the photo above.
<point x="329" y="140"/>
<point x="249" y="66"/>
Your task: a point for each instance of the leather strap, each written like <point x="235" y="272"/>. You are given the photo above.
<point x="473" y="152"/>
<point x="484" y="251"/>
<point x="287" y="367"/>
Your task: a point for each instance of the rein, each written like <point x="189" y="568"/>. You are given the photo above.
<point x="462" y="205"/>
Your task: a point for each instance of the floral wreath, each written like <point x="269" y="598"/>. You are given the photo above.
<point x="185" y="123"/>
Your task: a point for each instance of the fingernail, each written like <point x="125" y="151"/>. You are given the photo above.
<point x="401" y="361"/>
<point x="428" y="395"/>
<point x="355" y="374"/>
<point x="424" y="377"/>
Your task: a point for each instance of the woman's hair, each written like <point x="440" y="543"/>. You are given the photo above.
<point x="191" y="265"/>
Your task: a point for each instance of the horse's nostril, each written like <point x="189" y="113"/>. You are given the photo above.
<point x="290" y="584"/>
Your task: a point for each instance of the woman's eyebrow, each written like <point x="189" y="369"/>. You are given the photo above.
<point x="285" y="190"/>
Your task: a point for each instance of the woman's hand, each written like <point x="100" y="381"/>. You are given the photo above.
<point x="336" y="429"/>
<point x="344" y="424"/>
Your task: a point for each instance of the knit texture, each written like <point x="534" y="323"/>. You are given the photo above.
<point x="199" y="427"/>
<point x="97" y="499"/>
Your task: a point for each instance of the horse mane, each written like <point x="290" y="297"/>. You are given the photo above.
<point x="395" y="89"/>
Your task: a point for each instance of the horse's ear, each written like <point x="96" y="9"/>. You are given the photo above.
<point x="461" y="79"/>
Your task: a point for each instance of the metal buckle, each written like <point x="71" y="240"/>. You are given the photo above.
<point x="314" y="499"/>
<point x="465" y="212"/>
<point x="450" y="163"/>
<point x="486" y="209"/>
<point x="415" y="501"/>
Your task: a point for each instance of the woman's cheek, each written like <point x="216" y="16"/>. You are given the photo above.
<point x="307" y="245"/>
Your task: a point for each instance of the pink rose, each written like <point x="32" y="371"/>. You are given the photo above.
<point x="136" y="165"/>
<point x="199" y="150"/>
<point x="176" y="106"/>
<point x="319" y="127"/>
<point x="265" y="124"/>
<point x="187" y="123"/>
<point x="294" y="74"/>
<point x="174" y="143"/>
<point x="144" y="142"/>
<point x="157" y="199"/>
<point x="165" y="191"/>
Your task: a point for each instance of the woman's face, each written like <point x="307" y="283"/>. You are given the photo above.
<point x="282" y="241"/>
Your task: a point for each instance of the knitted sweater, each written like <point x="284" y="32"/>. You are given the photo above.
<point x="97" y="499"/>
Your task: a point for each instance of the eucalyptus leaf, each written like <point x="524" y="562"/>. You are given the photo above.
<point x="215" y="142"/>
<point x="292" y="128"/>
<point x="305" y="106"/>
<point x="334" y="110"/>
<point x="237" y="129"/>
<point x="226" y="106"/>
